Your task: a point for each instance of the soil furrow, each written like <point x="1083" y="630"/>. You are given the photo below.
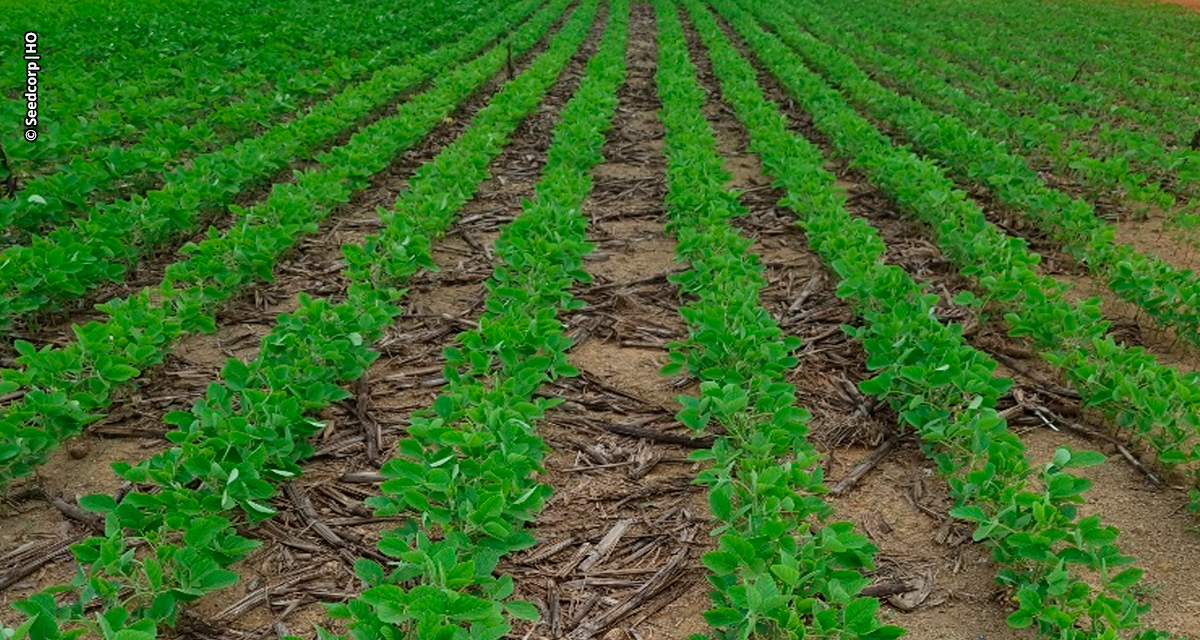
<point x="55" y="327"/>
<point x="619" y="541"/>
<point x="1130" y="325"/>
<point x="619" y="544"/>
<point x="134" y="426"/>
<point x="362" y="432"/>
<point x="975" y="604"/>
<point x="948" y="588"/>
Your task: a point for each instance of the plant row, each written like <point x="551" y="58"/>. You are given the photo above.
<point x="170" y="541"/>
<point x="1043" y="140"/>
<point x="1131" y="160"/>
<point x="68" y="387"/>
<point x="1109" y="84"/>
<point x="1170" y="296"/>
<point x="176" y="69"/>
<point x="1084" y="119"/>
<point x="1133" y="28"/>
<point x="465" y="477"/>
<point x="88" y="174"/>
<point x="1130" y="31"/>
<point x="1064" y="571"/>
<point x="73" y="259"/>
<point x="779" y="569"/>
<point x="1152" y="403"/>
<point x="1151" y="76"/>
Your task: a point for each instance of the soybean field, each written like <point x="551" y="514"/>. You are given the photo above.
<point x="613" y="319"/>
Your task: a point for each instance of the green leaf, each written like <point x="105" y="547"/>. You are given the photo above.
<point x="718" y="500"/>
<point x="259" y="507"/>
<point x="1082" y="459"/>
<point x="369" y="572"/>
<point x="723" y="617"/>
<point x="789" y="575"/>
<point x="1128" y="578"/>
<point x="1020" y="620"/>
<point x="98" y="503"/>
<point x="202" y="531"/>
<point x="860" y="614"/>
<point x="129" y="634"/>
<point x="443" y="406"/>
<point x="497" y="529"/>
<point x="966" y="299"/>
<point x="522" y="610"/>
<point x="971" y="513"/>
<point x="179" y="418"/>
<point x="116" y="371"/>
<point x="720" y="562"/>
<point x="24" y="347"/>
<point x="417" y="500"/>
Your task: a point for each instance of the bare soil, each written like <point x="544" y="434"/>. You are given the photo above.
<point x="1191" y="4"/>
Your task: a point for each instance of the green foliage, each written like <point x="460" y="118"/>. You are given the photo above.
<point x="1119" y="118"/>
<point x="75" y="258"/>
<point x="943" y="389"/>
<point x="1159" y="405"/>
<point x="466" y="472"/>
<point x="1170" y="296"/>
<point x="779" y="572"/>
<point x="111" y="139"/>
<point x="69" y="387"/>
<point x="169" y="542"/>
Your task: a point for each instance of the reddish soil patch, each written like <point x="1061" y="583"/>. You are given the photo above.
<point x="1191" y="4"/>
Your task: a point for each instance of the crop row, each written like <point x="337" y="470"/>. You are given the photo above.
<point x="67" y="387"/>
<point x="1115" y="99"/>
<point x="1134" y="29"/>
<point x="73" y="259"/>
<point x="189" y="39"/>
<point x="233" y="70"/>
<point x="1158" y="405"/>
<point x="1151" y="76"/>
<point x="940" y="387"/>
<point x="167" y="48"/>
<point x="1102" y="156"/>
<point x="778" y="570"/>
<point x="86" y="174"/>
<point x="250" y="433"/>
<point x="1055" y="104"/>
<point x="1041" y="140"/>
<point x="1170" y="296"/>
<point x="466" y="472"/>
